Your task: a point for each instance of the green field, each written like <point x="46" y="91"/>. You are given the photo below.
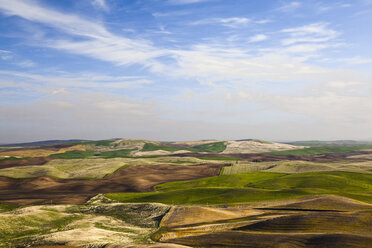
<point x="322" y="149"/>
<point x="215" y="147"/>
<point x="6" y="207"/>
<point x="256" y="186"/>
<point x="11" y="158"/>
<point x="153" y="147"/>
<point x="74" y="154"/>
<point x="124" y="153"/>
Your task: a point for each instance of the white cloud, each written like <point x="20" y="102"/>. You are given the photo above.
<point x="232" y="22"/>
<point x="44" y="83"/>
<point x="258" y="38"/>
<point x="290" y="6"/>
<point x="346" y="5"/>
<point x="316" y="32"/>
<point x="25" y="63"/>
<point x="100" y="4"/>
<point x="99" y="42"/>
<point x="6" y="55"/>
<point x="355" y="60"/>
<point x="263" y="21"/>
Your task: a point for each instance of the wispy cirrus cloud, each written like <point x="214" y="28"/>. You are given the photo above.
<point x="232" y="22"/>
<point x="315" y="32"/>
<point x="85" y="81"/>
<point x="101" y="4"/>
<point x="289" y="6"/>
<point x="6" y="55"/>
<point x="258" y="38"/>
<point x="99" y="43"/>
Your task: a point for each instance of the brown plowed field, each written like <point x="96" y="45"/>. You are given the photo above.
<point x="24" y="162"/>
<point x="262" y="157"/>
<point x="261" y="240"/>
<point x="46" y="190"/>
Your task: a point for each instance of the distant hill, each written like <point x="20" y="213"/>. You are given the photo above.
<point x="44" y="143"/>
<point x="329" y="143"/>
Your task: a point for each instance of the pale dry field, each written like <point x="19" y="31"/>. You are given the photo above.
<point x="94" y="168"/>
<point x="253" y="146"/>
<point x="298" y="166"/>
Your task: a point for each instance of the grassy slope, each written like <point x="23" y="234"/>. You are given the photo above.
<point x="67" y="168"/>
<point x="6" y="207"/>
<point x="297" y="166"/>
<point x="61" y="224"/>
<point x="321" y="150"/>
<point x="124" y="153"/>
<point x="15" y="227"/>
<point x="74" y="154"/>
<point x="256" y="186"/>
<point x="215" y="147"/>
<point x="153" y="147"/>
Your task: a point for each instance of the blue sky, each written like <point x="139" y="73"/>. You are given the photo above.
<point x="185" y="69"/>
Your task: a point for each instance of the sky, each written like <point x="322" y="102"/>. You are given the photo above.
<point x="175" y="70"/>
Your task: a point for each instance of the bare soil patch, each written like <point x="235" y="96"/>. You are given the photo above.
<point x="260" y="240"/>
<point x="24" y="162"/>
<point x="263" y="157"/>
<point x="46" y="190"/>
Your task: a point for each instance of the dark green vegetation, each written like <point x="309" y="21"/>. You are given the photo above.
<point x="215" y="147"/>
<point x="12" y="158"/>
<point x="256" y="186"/>
<point x="322" y="150"/>
<point x="6" y="207"/>
<point x="124" y="153"/>
<point x="153" y="147"/>
<point x="74" y="154"/>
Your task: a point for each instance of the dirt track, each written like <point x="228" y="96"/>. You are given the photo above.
<point x="46" y="190"/>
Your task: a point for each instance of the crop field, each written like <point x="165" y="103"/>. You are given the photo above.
<point x="256" y="186"/>
<point x="323" y="149"/>
<point x="67" y="168"/>
<point x="298" y="166"/>
<point x="117" y="193"/>
<point x="39" y="152"/>
<point x="92" y="167"/>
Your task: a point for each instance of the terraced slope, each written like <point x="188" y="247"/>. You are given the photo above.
<point x="277" y="226"/>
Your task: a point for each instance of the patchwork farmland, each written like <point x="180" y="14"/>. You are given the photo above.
<point x="245" y="193"/>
